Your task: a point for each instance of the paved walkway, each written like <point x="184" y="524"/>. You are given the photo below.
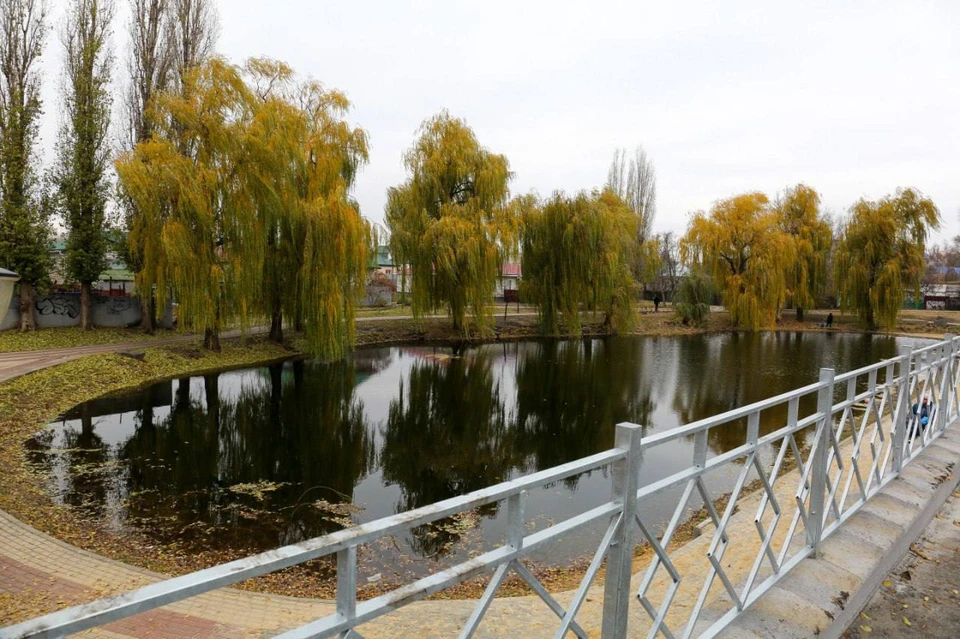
<point x="20" y="363"/>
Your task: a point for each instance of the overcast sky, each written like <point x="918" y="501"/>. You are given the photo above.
<point x="853" y="98"/>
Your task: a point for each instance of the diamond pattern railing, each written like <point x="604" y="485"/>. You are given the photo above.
<point x="826" y="460"/>
<point x="807" y="463"/>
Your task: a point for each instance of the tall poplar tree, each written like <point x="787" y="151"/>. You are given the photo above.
<point x="24" y="229"/>
<point x="449" y="221"/>
<point x="148" y="68"/>
<point x="634" y="180"/>
<point x="192" y="31"/>
<point x="881" y="253"/>
<point x="81" y="173"/>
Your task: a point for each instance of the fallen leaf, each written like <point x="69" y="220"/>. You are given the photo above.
<point x="887" y="584"/>
<point x="907" y="622"/>
<point x="866" y="629"/>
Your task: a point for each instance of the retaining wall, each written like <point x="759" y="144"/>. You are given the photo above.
<point x="63" y="309"/>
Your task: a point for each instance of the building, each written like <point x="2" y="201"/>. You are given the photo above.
<point x="508" y="284"/>
<point x="116" y="279"/>
<point x="941" y="297"/>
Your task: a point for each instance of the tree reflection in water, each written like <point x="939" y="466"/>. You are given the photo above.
<point x="445" y="436"/>
<point x="254" y="466"/>
<point x="571" y="395"/>
<point x="248" y="460"/>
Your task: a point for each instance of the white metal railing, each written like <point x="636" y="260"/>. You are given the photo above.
<point x="825" y="461"/>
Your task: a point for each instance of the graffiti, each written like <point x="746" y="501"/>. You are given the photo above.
<point x="118" y="305"/>
<point x="57" y="305"/>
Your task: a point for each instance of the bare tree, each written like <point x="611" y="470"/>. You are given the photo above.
<point x="193" y="31"/>
<point x="635" y="180"/>
<point x="168" y="38"/>
<point x="149" y="64"/>
<point x="24" y="228"/>
<point x="668" y="276"/>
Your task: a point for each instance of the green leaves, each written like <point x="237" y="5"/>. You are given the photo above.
<point x="24" y="213"/>
<point x="577" y="254"/>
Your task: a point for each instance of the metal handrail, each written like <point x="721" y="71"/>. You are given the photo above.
<point x="850" y="456"/>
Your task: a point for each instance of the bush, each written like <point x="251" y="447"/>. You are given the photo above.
<point x="693" y="299"/>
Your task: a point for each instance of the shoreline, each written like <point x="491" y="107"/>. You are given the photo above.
<point x="30" y="402"/>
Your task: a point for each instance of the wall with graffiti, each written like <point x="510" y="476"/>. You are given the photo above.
<point x="63" y="309"/>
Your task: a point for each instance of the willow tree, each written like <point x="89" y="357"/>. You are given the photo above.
<point x="316" y="240"/>
<point x="239" y="206"/>
<point x="798" y="215"/>
<point x="881" y="253"/>
<point x="197" y="232"/>
<point x="577" y="254"/>
<point x="81" y="172"/>
<point x="449" y="221"/>
<point x="24" y="229"/>
<point x="749" y="258"/>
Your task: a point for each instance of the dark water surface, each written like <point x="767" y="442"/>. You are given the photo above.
<point x="251" y="459"/>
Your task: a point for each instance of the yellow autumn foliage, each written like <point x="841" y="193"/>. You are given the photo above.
<point x="740" y="244"/>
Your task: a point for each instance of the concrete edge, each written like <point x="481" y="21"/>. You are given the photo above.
<point x="858" y="601"/>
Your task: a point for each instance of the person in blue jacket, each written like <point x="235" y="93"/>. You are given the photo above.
<point x="923" y="411"/>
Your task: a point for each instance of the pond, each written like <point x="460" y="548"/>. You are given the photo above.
<point x="246" y="460"/>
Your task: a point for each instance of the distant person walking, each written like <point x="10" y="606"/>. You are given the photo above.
<point x="830" y="320"/>
<point x="656" y="303"/>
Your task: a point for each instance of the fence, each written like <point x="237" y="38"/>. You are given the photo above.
<point x="824" y="462"/>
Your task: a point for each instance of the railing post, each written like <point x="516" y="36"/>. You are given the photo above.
<point x="818" y="472"/>
<point x="616" y="588"/>
<point x="347" y="583"/>
<point x="943" y="410"/>
<point x="902" y="414"/>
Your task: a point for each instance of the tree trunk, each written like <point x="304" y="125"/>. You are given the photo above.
<point x="27" y="295"/>
<point x="211" y="340"/>
<point x="276" y="325"/>
<point x="86" y="306"/>
<point x="146" y="313"/>
<point x="799" y="313"/>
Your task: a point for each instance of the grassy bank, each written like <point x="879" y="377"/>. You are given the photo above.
<point x="15" y="341"/>
<point x="28" y="403"/>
